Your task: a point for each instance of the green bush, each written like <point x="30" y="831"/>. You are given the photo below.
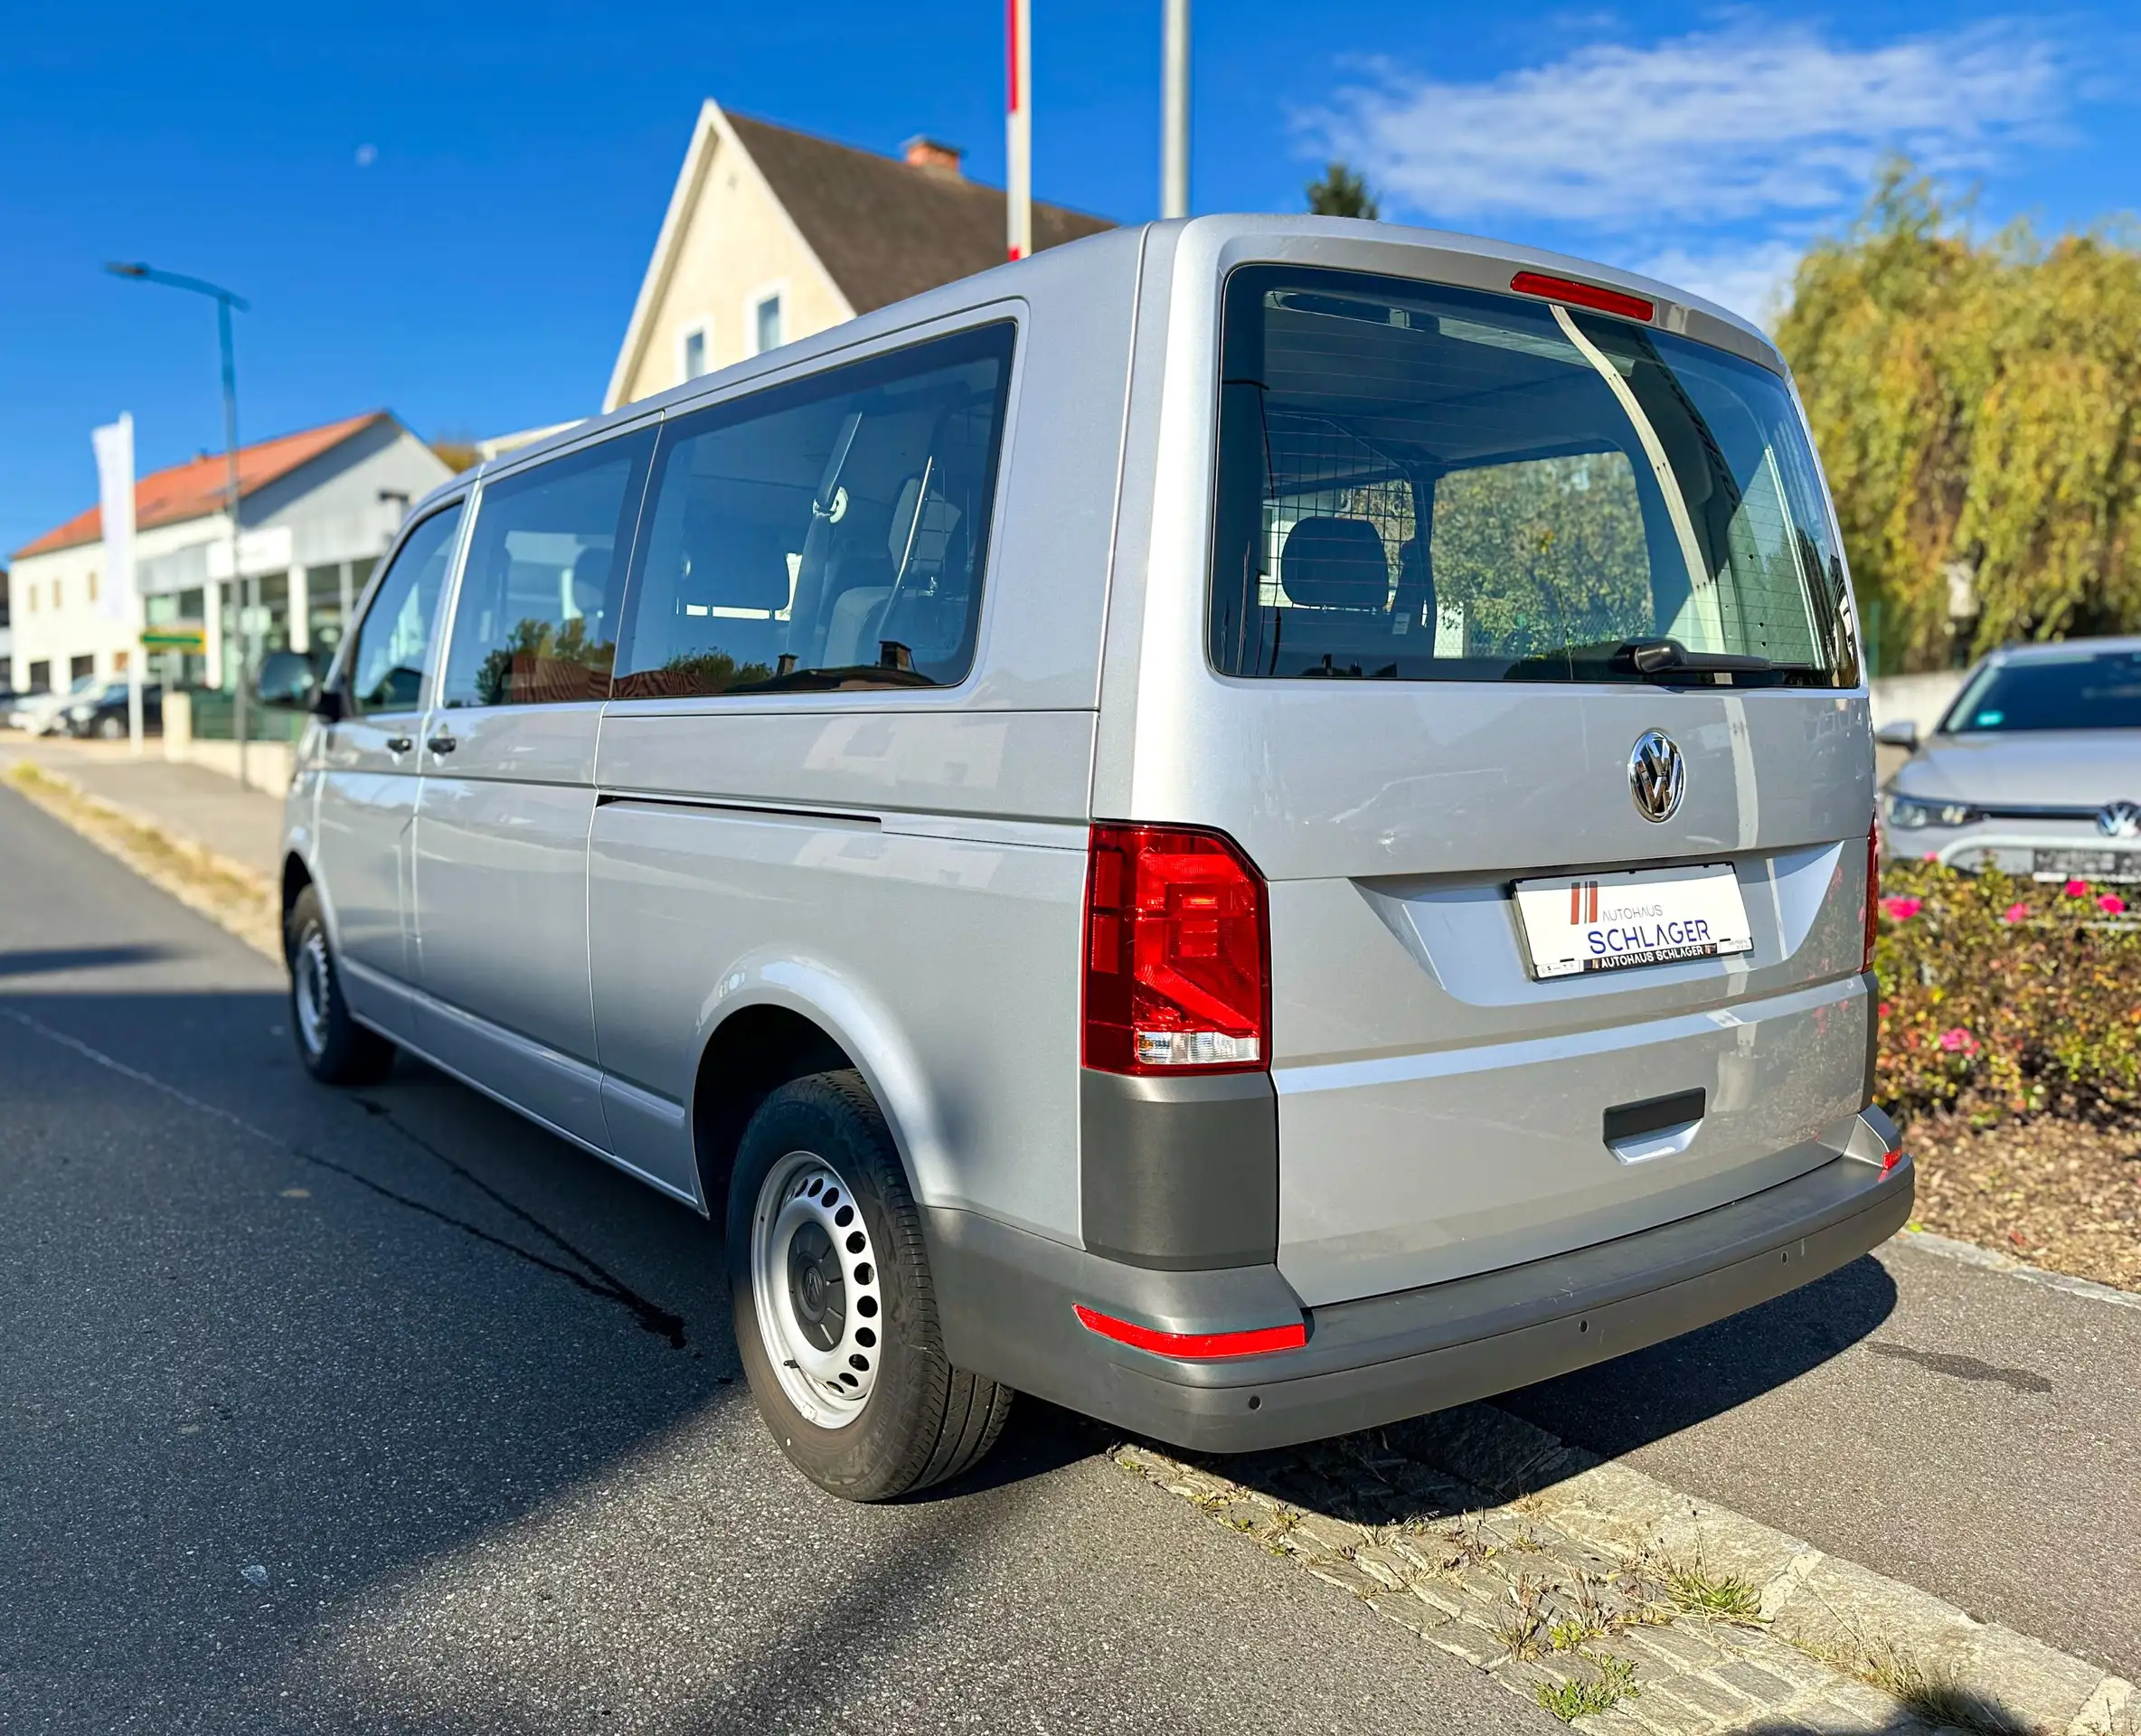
<point x="2001" y="995"/>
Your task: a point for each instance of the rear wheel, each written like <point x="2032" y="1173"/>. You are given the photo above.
<point x="335" y="1048"/>
<point x="835" y="1314"/>
<point x="110" y="728"/>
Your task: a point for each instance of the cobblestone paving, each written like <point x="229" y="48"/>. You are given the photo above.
<point x="1659" y="1640"/>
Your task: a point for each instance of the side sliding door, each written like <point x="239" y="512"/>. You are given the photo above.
<point x="507" y="791"/>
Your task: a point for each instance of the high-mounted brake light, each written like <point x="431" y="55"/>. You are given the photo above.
<point x="1583" y="295"/>
<point x="1198" y="1345"/>
<point x="1873" y="896"/>
<point x="1177" y="954"/>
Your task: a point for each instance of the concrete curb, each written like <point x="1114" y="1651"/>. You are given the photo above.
<point x="1970" y="1254"/>
<point x="1829" y="1608"/>
<point x="235" y="897"/>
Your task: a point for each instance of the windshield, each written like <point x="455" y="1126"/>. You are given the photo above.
<point x="2091" y="690"/>
<point x="1419" y="483"/>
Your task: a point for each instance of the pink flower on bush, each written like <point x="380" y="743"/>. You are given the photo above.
<point x="1958" y="1042"/>
<point x="2111" y="904"/>
<point x="2076" y="889"/>
<point x="1901" y="910"/>
<point x="2015" y="912"/>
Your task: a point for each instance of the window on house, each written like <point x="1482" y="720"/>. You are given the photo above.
<point x="82" y="669"/>
<point x="40" y="675"/>
<point x="58" y="597"/>
<point x="768" y="323"/>
<point x="92" y="587"/>
<point x="694" y="352"/>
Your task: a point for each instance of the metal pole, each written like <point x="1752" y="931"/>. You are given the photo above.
<point x="222" y="326"/>
<point x="1018" y="129"/>
<point x="1175" y="111"/>
<point x="225" y="300"/>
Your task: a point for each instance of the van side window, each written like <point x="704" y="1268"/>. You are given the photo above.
<point x="536" y="622"/>
<point x="824" y="535"/>
<point x="386" y="659"/>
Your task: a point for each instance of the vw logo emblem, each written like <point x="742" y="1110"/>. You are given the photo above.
<point x="1657" y="775"/>
<point x="2120" y="820"/>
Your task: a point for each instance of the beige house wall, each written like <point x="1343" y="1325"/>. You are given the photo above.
<point x="737" y="246"/>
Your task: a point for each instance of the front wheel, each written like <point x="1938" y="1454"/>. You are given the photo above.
<point x="835" y="1314"/>
<point x="335" y="1048"/>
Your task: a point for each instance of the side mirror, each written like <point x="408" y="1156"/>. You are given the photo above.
<point x="1901" y="734"/>
<point x="286" y="681"/>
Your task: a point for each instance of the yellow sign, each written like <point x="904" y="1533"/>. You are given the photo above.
<point x="175" y="636"/>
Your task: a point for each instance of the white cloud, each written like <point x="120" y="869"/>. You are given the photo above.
<point x="1741" y="124"/>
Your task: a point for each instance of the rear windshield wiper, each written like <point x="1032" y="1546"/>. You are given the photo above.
<point x="1668" y="659"/>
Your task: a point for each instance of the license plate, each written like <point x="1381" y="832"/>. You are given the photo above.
<point x="2086" y="864"/>
<point x="1579" y="922"/>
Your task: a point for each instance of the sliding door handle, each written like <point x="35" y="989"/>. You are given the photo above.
<point x="399" y="744"/>
<point x="442" y="743"/>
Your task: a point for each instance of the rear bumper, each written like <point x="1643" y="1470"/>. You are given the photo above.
<point x="1005" y="1298"/>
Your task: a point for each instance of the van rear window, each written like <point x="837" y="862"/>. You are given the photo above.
<point x="1419" y="483"/>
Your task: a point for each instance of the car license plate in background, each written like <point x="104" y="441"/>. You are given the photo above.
<point x="2086" y="864"/>
<point x="1579" y="922"/>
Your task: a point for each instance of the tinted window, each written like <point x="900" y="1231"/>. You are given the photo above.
<point x="386" y="663"/>
<point x="2098" y="690"/>
<point x="1424" y="483"/>
<point x="536" y="622"/>
<point x="828" y="535"/>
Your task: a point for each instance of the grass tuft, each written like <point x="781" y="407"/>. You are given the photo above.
<point x="1580" y="1696"/>
<point x="1723" y="1596"/>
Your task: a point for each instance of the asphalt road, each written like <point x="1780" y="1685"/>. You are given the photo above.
<point x="384" y="1412"/>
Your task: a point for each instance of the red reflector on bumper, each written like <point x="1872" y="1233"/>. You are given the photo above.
<point x="1197" y="1345"/>
<point x="1891" y="1159"/>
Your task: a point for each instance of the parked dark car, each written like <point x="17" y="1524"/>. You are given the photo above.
<point x="102" y="712"/>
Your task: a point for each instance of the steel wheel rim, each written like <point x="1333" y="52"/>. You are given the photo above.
<point x="817" y="1290"/>
<point x="308" y="976"/>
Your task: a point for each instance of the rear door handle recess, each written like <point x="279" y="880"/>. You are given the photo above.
<point x="399" y="744"/>
<point x="442" y="744"/>
<point x="1654" y="1126"/>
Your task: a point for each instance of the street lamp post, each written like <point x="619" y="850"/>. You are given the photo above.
<point x="225" y="300"/>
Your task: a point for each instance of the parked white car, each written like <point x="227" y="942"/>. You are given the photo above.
<point x="2035" y="770"/>
<point x="46" y="714"/>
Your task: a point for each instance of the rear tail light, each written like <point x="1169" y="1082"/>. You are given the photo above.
<point x="1873" y="896"/>
<point x="1197" y="1346"/>
<point x="1177" y="954"/>
<point x="1582" y="294"/>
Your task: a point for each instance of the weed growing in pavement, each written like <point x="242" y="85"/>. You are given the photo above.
<point x="1928" y="1691"/>
<point x="1524" y="1628"/>
<point x="1721" y="1597"/>
<point x="1580" y="1696"/>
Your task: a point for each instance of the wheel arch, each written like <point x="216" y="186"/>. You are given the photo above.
<point x="784" y="1020"/>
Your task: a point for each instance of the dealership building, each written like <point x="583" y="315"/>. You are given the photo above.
<point x="315" y="509"/>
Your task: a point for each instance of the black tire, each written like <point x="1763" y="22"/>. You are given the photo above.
<point x="921" y="1420"/>
<point x="334" y="1047"/>
<point x="110" y="729"/>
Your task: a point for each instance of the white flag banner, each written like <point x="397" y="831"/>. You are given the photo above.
<point x="115" y="497"/>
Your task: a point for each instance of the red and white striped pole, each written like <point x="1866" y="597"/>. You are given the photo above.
<point x="1018" y="127"/>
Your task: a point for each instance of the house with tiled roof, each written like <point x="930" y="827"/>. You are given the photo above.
<point x="315" y="509"/>
<point x="772" y="234"/>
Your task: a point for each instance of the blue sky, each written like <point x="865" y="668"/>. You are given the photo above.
<point x="446" y="209"/>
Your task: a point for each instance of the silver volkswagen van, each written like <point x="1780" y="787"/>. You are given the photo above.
<point x="1252" y="826"/>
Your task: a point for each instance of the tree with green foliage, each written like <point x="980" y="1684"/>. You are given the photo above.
<point x="1342" y="193"/>
<point x="1977" y="405"/>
